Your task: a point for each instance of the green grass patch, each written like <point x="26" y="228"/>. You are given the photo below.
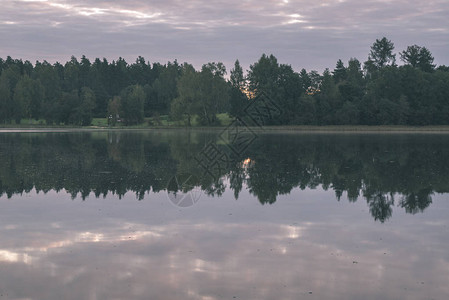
<point x="101" y="122"/>
<point x="225" y="119"/>
<point x="163" y="121"/>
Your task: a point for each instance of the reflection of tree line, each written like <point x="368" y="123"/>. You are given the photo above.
<point x="83" y="163"/>
<point x="386" y="170"/>
<point x="381" y="169"/>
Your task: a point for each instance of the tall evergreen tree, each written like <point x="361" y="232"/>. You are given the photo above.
<point x="418" y="57"/>
<point x="238" y="99"/>
<point x="339" y="72"/>
<point x="381" y="53"/>
<point x="237" y="78"/>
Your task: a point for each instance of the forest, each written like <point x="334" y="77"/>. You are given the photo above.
<point x="375" y="92"/>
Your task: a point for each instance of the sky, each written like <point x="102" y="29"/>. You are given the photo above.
<point x="302" y="33"/>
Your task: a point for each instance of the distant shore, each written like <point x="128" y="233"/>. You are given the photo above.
<point x="289" y="129"/>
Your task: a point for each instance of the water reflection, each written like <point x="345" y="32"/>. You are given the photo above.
<point x="385" y="170"/>
<point x="318" y="240"/>
<point x="53" y="249"/>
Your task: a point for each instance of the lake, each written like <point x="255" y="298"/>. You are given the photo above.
<point x="231" y="214"/>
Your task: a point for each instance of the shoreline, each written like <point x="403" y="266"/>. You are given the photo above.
<point x="443" y="129"/>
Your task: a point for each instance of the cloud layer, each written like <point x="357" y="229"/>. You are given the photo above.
<point x="310" y="34"/>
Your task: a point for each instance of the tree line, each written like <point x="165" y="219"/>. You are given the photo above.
<point x="376" y="92"/>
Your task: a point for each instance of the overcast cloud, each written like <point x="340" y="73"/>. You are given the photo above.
<point x="303" y="33"/>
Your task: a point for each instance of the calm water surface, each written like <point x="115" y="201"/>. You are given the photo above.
<point x="189" y="215"/>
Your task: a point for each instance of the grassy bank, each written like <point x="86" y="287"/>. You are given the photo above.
<point x="163" y="122"/>
<point x="266" y="129"/>
<point x="149" y="122"/>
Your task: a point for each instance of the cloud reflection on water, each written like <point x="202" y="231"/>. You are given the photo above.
<point x="55" y="248"/>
